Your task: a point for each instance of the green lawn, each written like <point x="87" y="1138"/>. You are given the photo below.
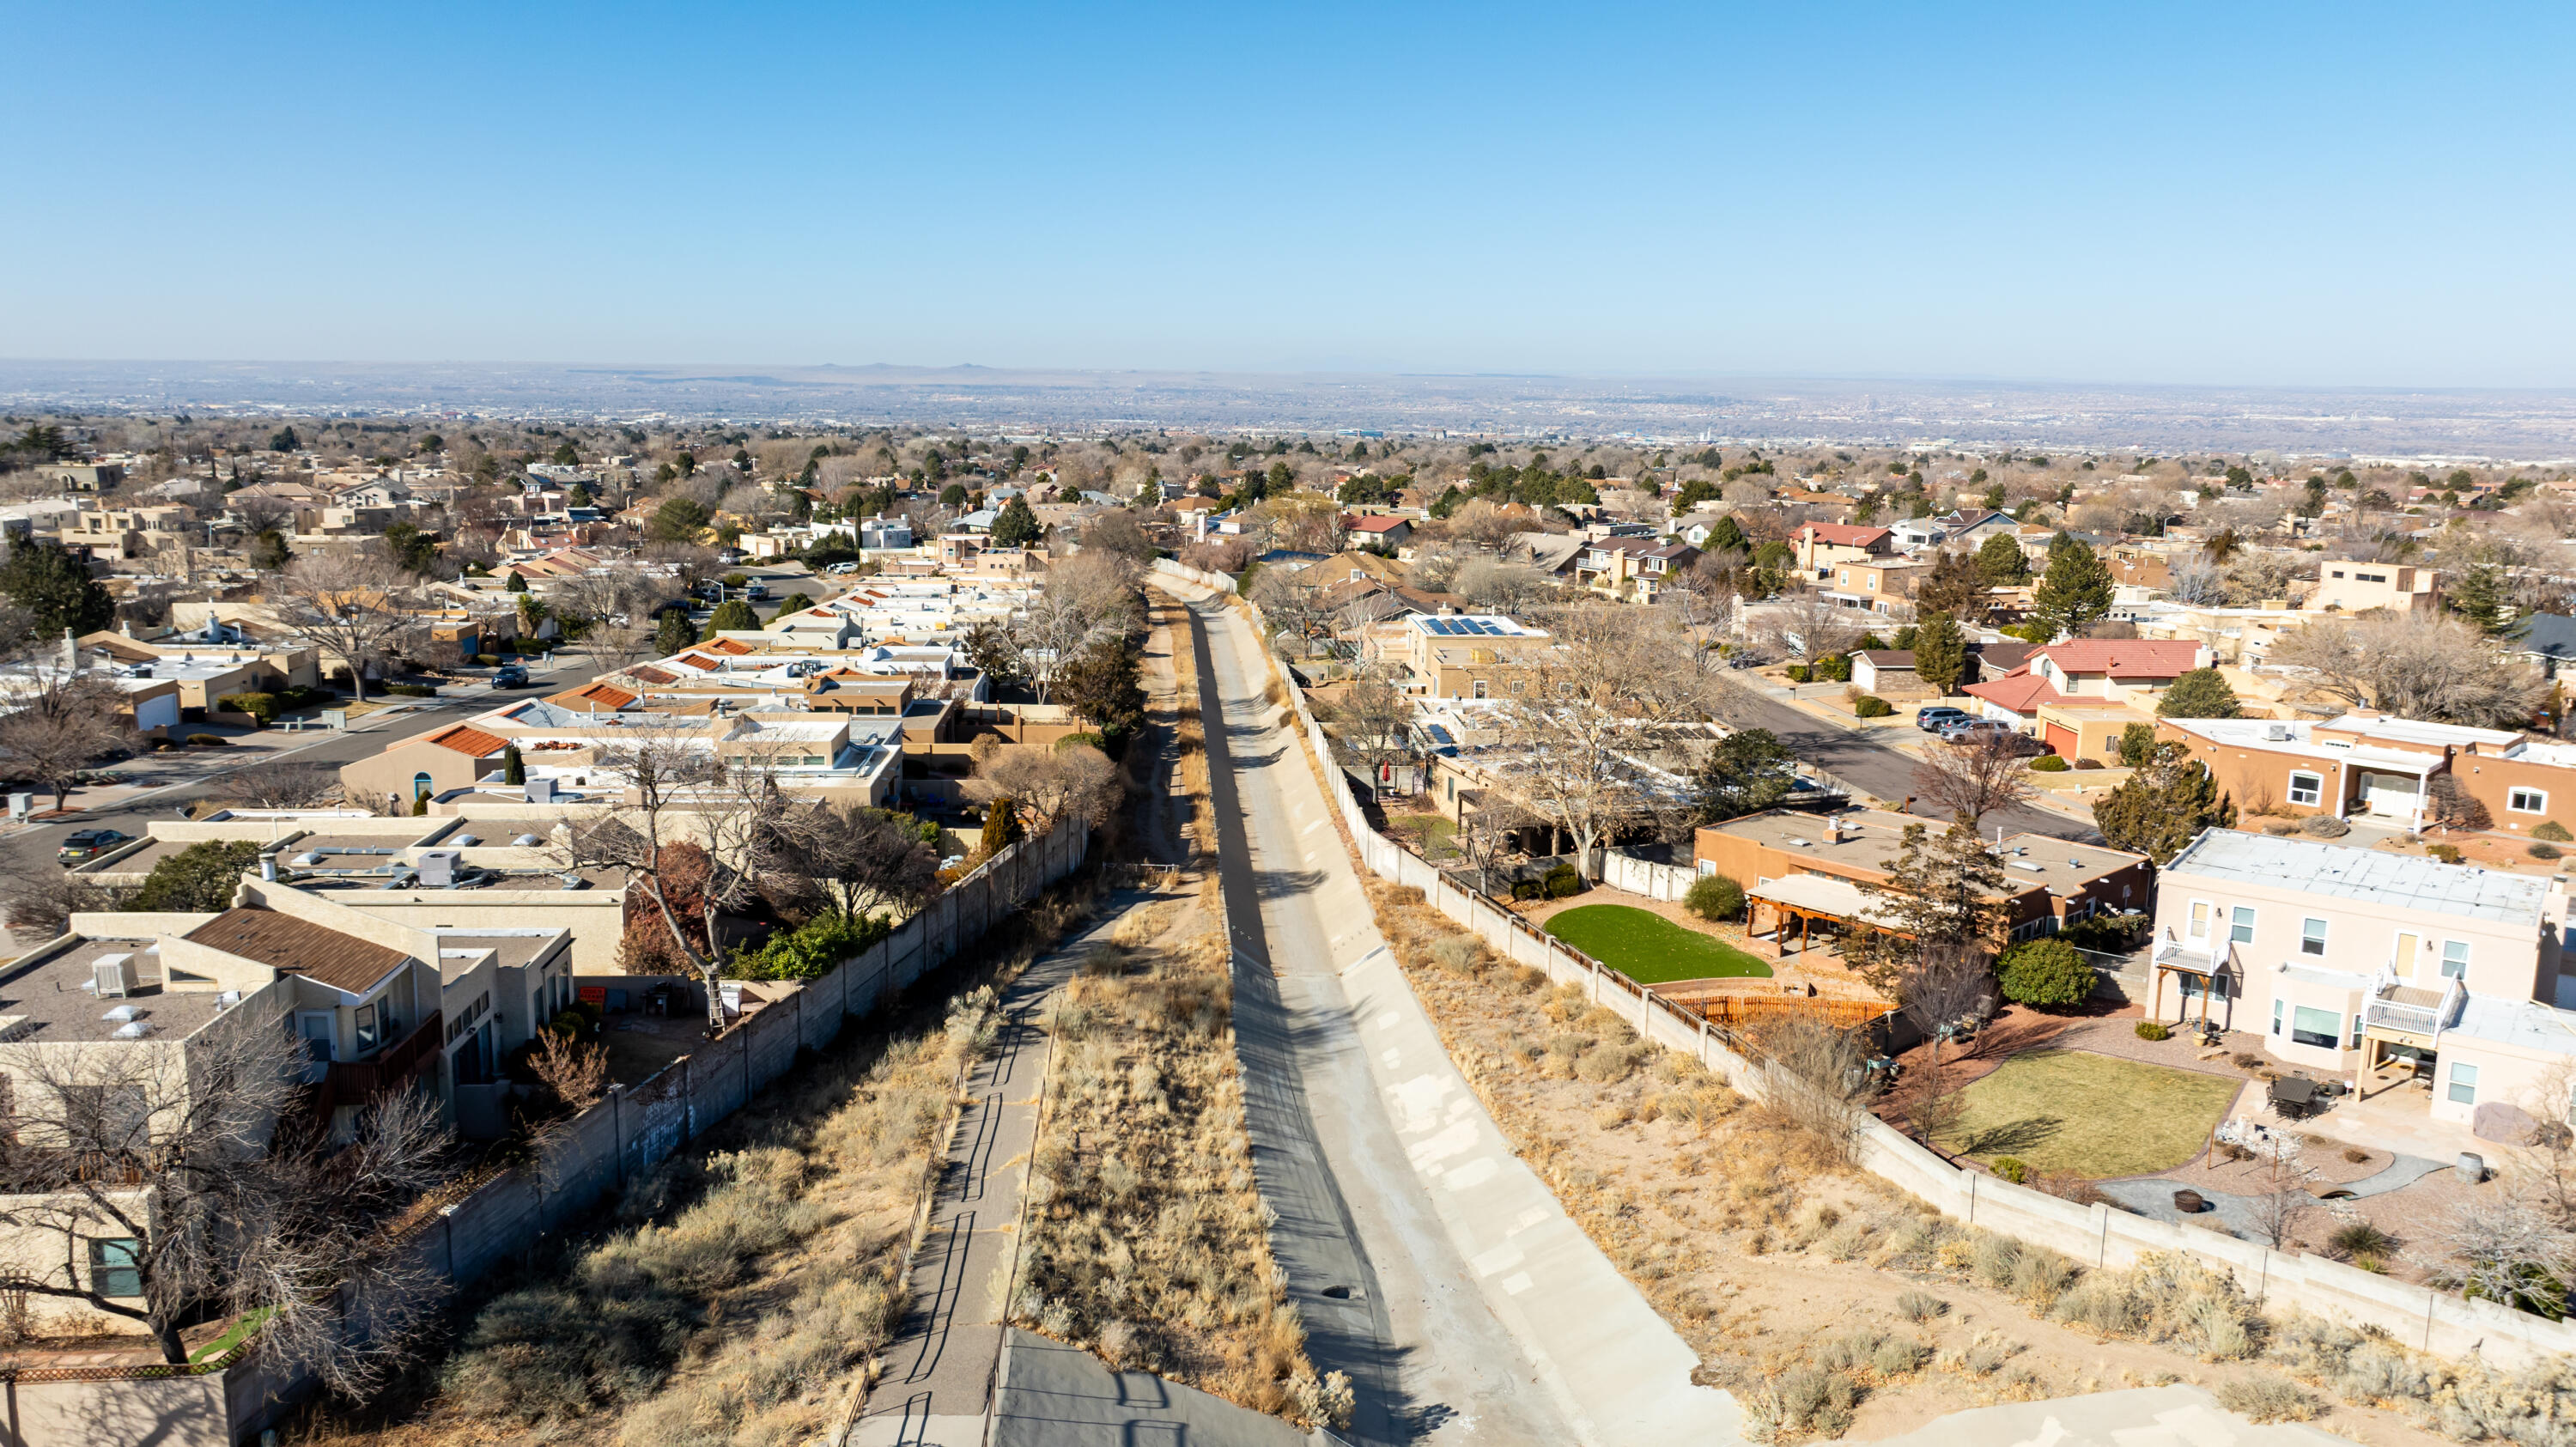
<point x="1648" y="948"/>
<point x="2094" y="1115"/>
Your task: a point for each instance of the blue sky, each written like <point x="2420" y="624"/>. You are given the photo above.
<point x="2349" y="194"/>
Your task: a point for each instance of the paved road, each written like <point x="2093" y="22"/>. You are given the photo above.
<point x="203" y="772"/>
<point x="1873" y="767"/>
<point x="1384" y="1293"/>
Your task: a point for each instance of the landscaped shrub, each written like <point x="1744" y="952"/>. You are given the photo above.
<point x="2324" y="826"/>
<point x="1564" y="882"/>
<point x="2281" y="828"/>
<point x="2012" y="1168"/>
<point x="2541" y="851"/>
<point x="1799" y="673"/>
<point x="2044" y="972"/>
<point x="209" y="740"/>
<point x="1079" y="741"/>
<point x="1527" y="889"/>
<point x="2361" y="1239"/>
<point x="2447" y="853"/>
<point x="2048" y="764"/>
<point x="2153" y="1030"/>
<point x="1870" y="705"/>
<point x="2108" y="933"/>
<point x="488" y="660"/>
<point x="810" y="950"/>
<point x="2088" y="763"/>
<point x="411" y="690"/>
<point x="1714" y="897"/>
<point x="2553" y="831"/>
<point x="261" y="706"/>
<point x="1837" y="668"/>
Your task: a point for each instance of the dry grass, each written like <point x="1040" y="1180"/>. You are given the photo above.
<point x="737" y="1292"/>
<point x="1148" y="1240"/>
<point x="1739" y="1225"/>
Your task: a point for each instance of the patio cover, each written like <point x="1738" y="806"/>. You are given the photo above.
<point x="1822" y="895"/>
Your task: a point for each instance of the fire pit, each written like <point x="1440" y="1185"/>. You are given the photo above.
<point x="2190" y="1202"/>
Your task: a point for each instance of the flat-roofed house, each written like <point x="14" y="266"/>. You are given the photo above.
<point x="2398" y="969"/>
<point x="1462" y="655"/>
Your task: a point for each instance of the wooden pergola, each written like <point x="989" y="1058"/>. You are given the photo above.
<point x="1805" y="899"/>
<point x="2216" y="977"/>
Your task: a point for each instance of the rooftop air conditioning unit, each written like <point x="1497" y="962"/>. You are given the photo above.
<point x="2278" y="733"/>
<point x="113" y="976"/>
<point x="438" y="868"/>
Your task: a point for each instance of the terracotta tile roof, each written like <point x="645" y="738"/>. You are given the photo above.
<point x="697" y="661"/>
<point x="469" y="741"/>
<point x="1844" y="534"/>
<point x="299" y="947"/>
<point x="2124" y="657"/>
<point x="599" y="694"/>
<point x="2020" y="690"/>
<point x="649" y="674"/>
<point x="734" y="646"/>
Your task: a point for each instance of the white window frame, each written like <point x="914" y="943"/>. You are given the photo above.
<point x="2312" y="937"/>
<point x="2316" y="790"/>
<point x="2462" y="972"/>
<point x="2327" y="1038"/>
<point x="2196" y="919"/>
<point x="2514" y="796"/>
<point x="2279" y="1012"/>
<point x="2464" y="1076"/>
<point x="2246" y="924"/>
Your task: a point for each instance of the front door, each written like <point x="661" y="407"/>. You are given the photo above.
<point x="2404" y="965"/>
<point x="317" y="1027"/>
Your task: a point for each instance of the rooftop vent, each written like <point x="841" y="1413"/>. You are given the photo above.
<point x="134" y="1031"/>
<point x="122" y="1013"/>
<point x="528" y="841"/>
<point x="465" y="841"/>
<point x="113" y="976"/>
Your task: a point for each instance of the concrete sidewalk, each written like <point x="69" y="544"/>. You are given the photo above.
<point x="941" y="1366"/>
<point x="1054" y="1395"/>
<point x="2176" y="1416"/>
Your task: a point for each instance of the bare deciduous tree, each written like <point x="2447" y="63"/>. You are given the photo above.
<point x="1816" y="1077"/>
<point x="59" y="720"/>
<point x="347" y="603"/>
<point x="223" y="1209"/>
<point x="1051" y="784"/>
<point x="283" y="784"/>
<point x="869" y="859"/>
<point x="1578" y="727"/>
<point x="1972" y="780"/>
<point x="1813" y="626"/>
<point x="2415" y="665"/>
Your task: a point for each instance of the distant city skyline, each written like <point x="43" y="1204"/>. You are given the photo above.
<point x="2296" y="196"/>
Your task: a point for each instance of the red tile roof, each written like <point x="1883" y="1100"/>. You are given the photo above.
<point x="649" y="674"/>
<point x="2123" y="657"/>
<point x="469" y="741"/>
<point x="2020" y="690"/>
<point x="734" y="646"/>
<point x="696" y="660"/>
<point x="601" y="694"/>
<point x="1845" y="535"/>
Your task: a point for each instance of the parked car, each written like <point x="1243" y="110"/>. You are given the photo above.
<point x="839" y="568"/>
<point x="1934" y="720"/>
<point x="1982" y="730"/>
<point x="756" y="591"/>
<point x="510" y="675"/>
<point x="88" y="844"/>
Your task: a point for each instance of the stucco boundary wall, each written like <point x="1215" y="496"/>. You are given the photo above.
<point x="1204" y="579"/>
<point x="627" y="1134"/>
<point x="2093" y="1235"/>
<point x="1643" y="876"/>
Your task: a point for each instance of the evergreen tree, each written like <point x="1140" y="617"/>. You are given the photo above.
<point x="2075" y="590"/>
<point x="1954" y="584"/>
<point x="269" y="552"/>
<point x="1727" y="535"/>
<point x="284" y="440"/>
<point x="2163" y="806"/>
<point x="1017" y="527"/>
<point x="53" y="585"/>
<point x="953" y="495"/>
<point x="2003" y="562"/>
<point x="518" y="583"/>
<point x="514" y="769"/>
<point x="2483" y="595"/>
<point x="2201" y="693"/>
<point x="1940" y="652"/>
<point x="674" y="633"/>
<point x="732" y="615"/>
<point x="1748" y="771"/>
<point x="1943" y="892"/>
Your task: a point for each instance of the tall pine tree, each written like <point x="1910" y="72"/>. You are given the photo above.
<point x="1940" y="652"/>
<point x="2003" y="562"/>
<point x="56" y="588"/>
<point x="2163" y="806"/>
<point x="2075" y="590"/>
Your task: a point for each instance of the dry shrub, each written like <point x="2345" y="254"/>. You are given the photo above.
<point x="2263" y="1397"/>
<point x="1799" y="1402"/>
<point x="1459" y="954"/>
<point x="1148" y="1242"/>
<point x="1920" y="1306"/>
<point x="2167" y="1297"/>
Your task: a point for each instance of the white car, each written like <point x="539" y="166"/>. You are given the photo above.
<point x="842" y="568"/>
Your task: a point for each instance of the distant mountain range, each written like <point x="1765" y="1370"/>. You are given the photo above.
<point x="2515" y="426"/>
